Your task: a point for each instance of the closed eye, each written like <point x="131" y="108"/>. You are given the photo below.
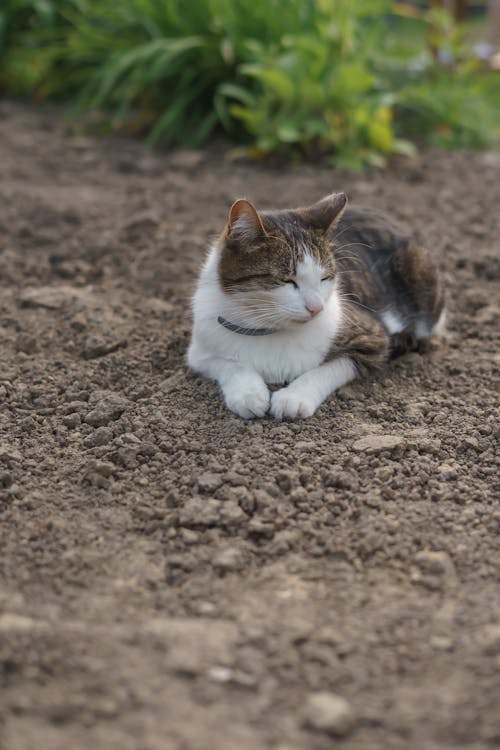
<point x="327" y="278"/>
<point x="291" y="281"/>
<point x="250" y="277"/>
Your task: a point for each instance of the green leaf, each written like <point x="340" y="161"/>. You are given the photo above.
<point x="273" y="78"/>
<point x="403" y="147"/>
<point x="232" y="91"/>
<point x="288" y="132"/>
<point x="353" y="79"/>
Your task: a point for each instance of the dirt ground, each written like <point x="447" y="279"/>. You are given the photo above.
<point x="173" y="578"/>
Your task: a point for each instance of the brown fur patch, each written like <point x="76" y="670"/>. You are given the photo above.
<point x="362" y="338"/>
<point x="382" y="269"/>
<point x="416" y="270"/>
<point x="270" y="259"/>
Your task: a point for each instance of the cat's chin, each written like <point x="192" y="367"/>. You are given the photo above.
<point x="294" y="324"/>
<point x="300" y="321"/>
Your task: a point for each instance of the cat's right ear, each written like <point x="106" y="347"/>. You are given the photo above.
<point x="324" y="214"/>
<point x="244" y="221"/>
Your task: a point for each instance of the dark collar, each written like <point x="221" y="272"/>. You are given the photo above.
<point x="245" y="331"/>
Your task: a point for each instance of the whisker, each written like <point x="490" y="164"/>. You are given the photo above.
<point x="349" y="299"/>
<point x="349" y="244"/>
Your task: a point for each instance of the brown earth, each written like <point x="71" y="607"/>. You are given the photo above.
<point x="173" y="578"/>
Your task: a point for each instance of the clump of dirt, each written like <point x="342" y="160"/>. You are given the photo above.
<point x="173" y="577"/>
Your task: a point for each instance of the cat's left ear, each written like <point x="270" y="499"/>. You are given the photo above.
<point x="325" y="213"/>
<point x="244" y="221"/>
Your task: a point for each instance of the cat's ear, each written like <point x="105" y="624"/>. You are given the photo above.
<point x="325" y="213"/>
<point x="244" y="221"/>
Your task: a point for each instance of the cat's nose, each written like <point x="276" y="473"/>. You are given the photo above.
<point x="314" y="312"/>
<point x="313" y="304"/>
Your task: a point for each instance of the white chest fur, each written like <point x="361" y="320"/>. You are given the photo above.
<point x="278" y="357"/>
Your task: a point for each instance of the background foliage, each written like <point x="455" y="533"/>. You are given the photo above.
<point x="353" y="80"/>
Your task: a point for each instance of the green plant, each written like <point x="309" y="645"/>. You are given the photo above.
<point x="447" y="102"/>
<point x="318" y="91"/>
<point x="25" y="26"/>
<point x="306" y="77"/>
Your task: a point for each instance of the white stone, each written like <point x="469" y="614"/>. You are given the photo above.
<point x="330" y="713"/>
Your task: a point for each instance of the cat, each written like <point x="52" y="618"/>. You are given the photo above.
<point x="308" y="299"/>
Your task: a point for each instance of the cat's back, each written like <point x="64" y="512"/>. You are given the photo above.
<point x="385" y="271"/>
<point x="366" y="243"/>
<point x="370" y="228"/>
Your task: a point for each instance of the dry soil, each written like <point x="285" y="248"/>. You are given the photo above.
<point x="173" y="578"/>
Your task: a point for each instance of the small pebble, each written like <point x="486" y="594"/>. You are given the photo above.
<point x="108" y="409"/>
<point x="71" y="421"/>
<point x="435" y="563"/>
<point x="229" y="559"/>
<point x="231" y="514"/>
<point x="101" y="436"/>
<point x="200" y="512"/>
<point x="377" y="443"/>
<point x="284" y="480"/>
<point x="448" y="473"/>
<point x="98" y="346"/>
<point x="490" y="639"/>
<point x="209" y="482"/>
<point x="330" y="713"/>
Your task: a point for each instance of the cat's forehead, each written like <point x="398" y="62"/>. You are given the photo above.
<point x="300" y="240"/>
<point x="269" y="256"/>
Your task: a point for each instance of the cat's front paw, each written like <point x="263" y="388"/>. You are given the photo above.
<point x="248" y="397"/>
<point x="290" y="403"/>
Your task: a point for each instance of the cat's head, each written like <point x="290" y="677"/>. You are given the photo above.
<point x="277" y="267"/>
